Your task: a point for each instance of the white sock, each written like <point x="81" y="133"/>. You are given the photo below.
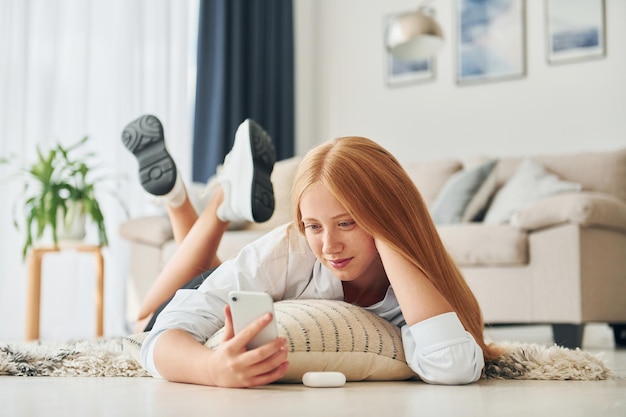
<point x="178" y="193"/>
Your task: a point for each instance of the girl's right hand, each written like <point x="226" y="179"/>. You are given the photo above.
<point x="232" y="365"/>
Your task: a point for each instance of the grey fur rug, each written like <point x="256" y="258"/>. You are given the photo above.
<point x="107" y="357"/>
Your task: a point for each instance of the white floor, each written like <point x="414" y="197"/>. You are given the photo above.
<point x="117" y="397"/>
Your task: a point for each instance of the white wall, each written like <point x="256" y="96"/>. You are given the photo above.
<point x="342" y="89"/>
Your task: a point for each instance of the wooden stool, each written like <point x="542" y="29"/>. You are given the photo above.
<point x="33" y="298"/>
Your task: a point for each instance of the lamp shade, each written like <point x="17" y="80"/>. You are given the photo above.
<point x="413" y="35"/>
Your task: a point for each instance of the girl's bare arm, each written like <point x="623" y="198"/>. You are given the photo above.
<point x="417" y="296"/>
<point x="180" y="358"/>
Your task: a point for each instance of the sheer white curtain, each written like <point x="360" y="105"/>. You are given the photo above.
<point x="70" y="68"/>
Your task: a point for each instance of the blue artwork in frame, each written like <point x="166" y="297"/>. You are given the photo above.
<point x="491" y="42"/>
<point x="575" y="30"/>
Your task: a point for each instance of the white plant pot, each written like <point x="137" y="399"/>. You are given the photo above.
<point x="72" y="228"/>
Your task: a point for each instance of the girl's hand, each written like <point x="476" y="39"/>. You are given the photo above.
<point x="231" y="365"/>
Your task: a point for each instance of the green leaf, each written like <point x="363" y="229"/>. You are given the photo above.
<point x="56" y="176"/>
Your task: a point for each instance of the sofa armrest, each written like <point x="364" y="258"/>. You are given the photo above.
<point x="581" y="208"/>
<point x="149" y="230"/>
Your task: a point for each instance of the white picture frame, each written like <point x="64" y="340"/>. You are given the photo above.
<point x="575" y="30"/>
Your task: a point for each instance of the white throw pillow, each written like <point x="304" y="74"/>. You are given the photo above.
<point x="530" y="183"/>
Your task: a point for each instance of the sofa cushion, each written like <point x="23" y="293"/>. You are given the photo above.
<point x="429" y="177"/>
<point x="596" y="171"/>
<point x="149" y="230"/>
<point x="530" y="183"/>
<point x="233" y="241"/>
<point x="484" y="244"/>
<point x="584" y="208"/>
<point x="464" y="194"/>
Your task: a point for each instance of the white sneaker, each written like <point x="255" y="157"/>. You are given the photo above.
<point x="245" y="176"/>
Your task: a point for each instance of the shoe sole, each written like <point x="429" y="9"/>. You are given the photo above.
<point x="263" y="159"/>
<point x="157" y="170"/>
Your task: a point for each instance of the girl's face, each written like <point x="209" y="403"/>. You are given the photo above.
<point x="335" y="238"/>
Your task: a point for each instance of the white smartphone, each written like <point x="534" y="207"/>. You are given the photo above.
<point x="247" y="306"/>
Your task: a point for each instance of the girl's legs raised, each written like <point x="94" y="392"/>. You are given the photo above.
<point x="195" y="254"/>
<point x="244" y="193"/>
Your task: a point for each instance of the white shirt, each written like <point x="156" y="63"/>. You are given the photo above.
<point x="282" y="264"/>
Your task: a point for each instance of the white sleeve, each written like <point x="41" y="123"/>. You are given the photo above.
<point x="199" y="314"/>
<point x="270" y="264"/>
<point x="147" y="357"/>
<point x="441" y="351"/>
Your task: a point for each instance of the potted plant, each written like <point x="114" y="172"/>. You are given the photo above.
<point x="59" y="194"/>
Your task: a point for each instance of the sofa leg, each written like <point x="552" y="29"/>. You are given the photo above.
<point x="568" y="335"/>
<point x="619" y="332"/>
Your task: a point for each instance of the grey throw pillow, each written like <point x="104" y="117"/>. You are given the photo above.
<point x="464" y="194"/>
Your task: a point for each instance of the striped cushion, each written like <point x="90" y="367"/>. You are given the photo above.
<point x="324" y="335"/>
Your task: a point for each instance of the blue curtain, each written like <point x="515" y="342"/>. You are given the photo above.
<point x="245" y="70"/>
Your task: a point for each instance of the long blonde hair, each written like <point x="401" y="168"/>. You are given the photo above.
<point x="380" y="196"/>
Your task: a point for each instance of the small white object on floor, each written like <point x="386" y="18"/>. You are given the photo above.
<point x="323" y="379"/>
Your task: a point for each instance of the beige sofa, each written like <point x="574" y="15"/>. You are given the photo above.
<point x="560" y="259"/>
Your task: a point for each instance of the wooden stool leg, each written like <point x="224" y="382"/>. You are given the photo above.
<point x="99" y="293"/>
<point x="33" y="297"/>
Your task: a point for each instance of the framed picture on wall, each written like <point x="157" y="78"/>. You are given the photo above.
<point x="407" y="71"/>
<point x="491" y="40"/>
<point x="400" y="71"/>
<point x="575" y="30"/>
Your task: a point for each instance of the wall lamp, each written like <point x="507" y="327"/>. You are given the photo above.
<point x="414" y="35"/>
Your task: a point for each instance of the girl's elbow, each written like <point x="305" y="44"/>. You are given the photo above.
<point x="452" y="368"/>
<point x="459" y="375"/>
